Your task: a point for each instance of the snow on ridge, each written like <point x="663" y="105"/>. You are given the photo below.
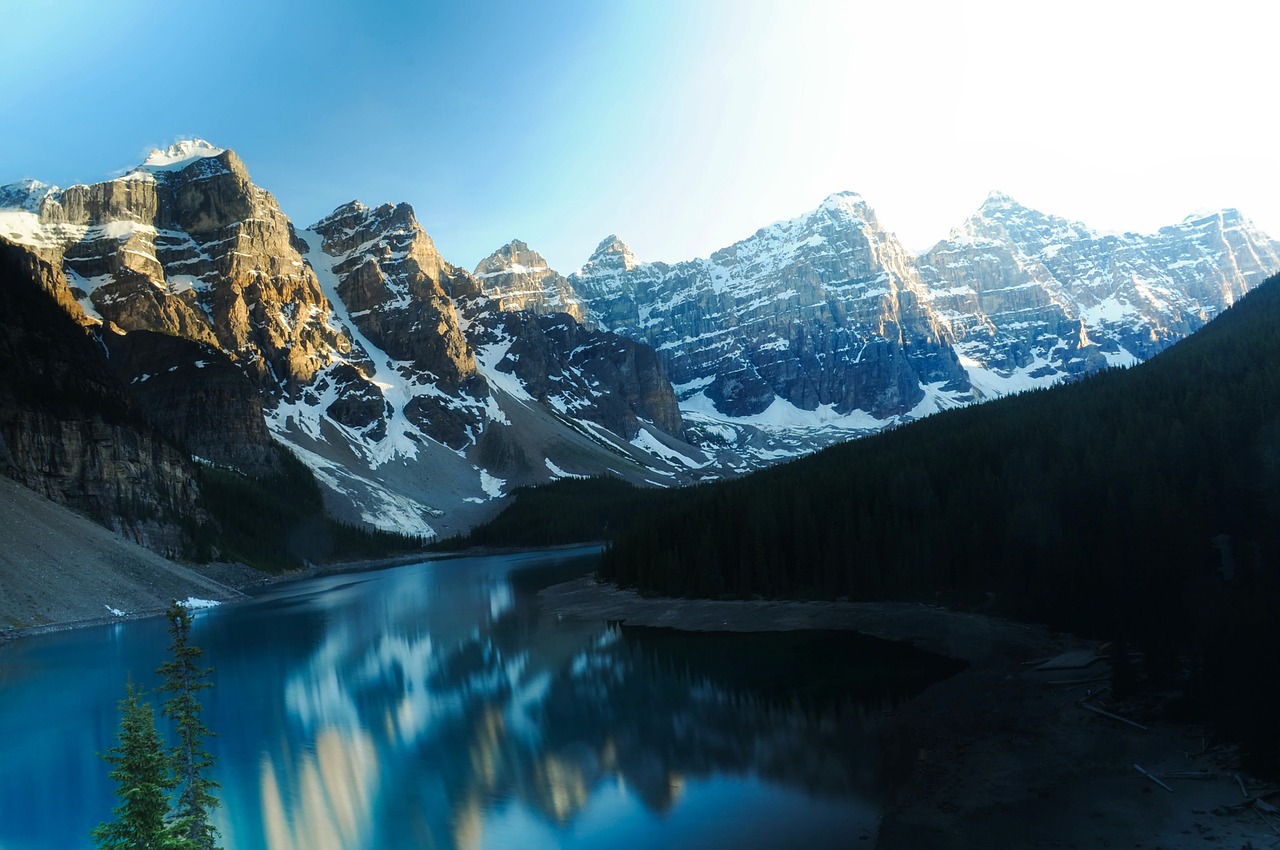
<point x="402" y="436"/>
<point x="650" y="444"/>
<point x="557" y="472"/>
<point x="179" y="155"/>
<point x="514" y="268"/>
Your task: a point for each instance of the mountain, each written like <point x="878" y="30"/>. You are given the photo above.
<point x="823" y="327"/>
<point x="825" y="312"/>
<point x="68" y="427"/>
<point x="1136" y="505"/>
<point x="413" y="396"/>
<point x="1060" y="299"/>
<point x="518" y="278"/>
<point x="420" y="393"/>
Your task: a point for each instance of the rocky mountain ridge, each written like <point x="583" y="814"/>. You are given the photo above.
<point x="420" y="393"/>
<point x="823" y="326"/>
<point x="414" y="397"/>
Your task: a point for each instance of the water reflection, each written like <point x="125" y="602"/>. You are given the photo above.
<point x="438" y="706"/>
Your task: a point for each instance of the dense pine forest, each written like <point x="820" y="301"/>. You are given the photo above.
<point x="1140" y="505"/>
<point x="573" y="510"/>
<point x="1112" y="503"/>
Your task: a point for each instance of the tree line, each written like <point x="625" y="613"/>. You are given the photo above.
<point x="279" y="523"/>
<point x="1140" y="505"/>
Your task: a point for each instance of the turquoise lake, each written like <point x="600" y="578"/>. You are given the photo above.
<point x="436" y="705"/>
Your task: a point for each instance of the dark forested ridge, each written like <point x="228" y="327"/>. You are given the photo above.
<point x="278" y="522"/>
<point x="572" y="510"/>
<point x="1140" y="505"/>
<point x="1129" y="482"/>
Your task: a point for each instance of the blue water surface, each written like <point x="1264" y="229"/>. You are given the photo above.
<point x="436" y="705"/>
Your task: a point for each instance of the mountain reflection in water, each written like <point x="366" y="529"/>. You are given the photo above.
<point x="437" y="706"/>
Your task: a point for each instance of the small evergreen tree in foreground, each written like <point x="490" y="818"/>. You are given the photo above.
<point x="147" y="772"/>
<point x="141" y="771"/>
<point x="184" y="678"/>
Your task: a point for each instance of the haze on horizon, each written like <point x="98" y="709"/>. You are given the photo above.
<point x="680" y="126"/>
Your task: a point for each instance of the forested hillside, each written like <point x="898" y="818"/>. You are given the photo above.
<point x="1140" y="505"/>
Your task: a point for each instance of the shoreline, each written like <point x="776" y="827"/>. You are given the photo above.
<point x="1000" y="754"/>
<point x="242" y="579"/>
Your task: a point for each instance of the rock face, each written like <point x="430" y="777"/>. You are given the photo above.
<point x="584" y="374"/>
<point x="436" y="323"/>
<point x="195" y="394"/>
<point x="420" y="392"/>
<point x="828" y="314"/>
<point x="68" y="428"/>
<point x="398" y="289"/>
<point x="187" y="245"/>
<point x="518" y="278"/>
<point x="823" y="310"/>
<point x="384" y="366"/>
<point x="1061" y="299"/>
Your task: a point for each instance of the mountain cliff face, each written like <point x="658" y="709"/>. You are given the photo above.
<point x="68" y="427"/>
<point x="823" y="311"/>
<point x="415" y="397"/>
<point x="420" y="392"/>
<point x="823" y="327"/>
<point x="1061" y="299"/>
<point x="187" y="245"/>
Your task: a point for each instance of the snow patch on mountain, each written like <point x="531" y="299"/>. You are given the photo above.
<point x="179" y="155"/>
<point x="377" y="504"/>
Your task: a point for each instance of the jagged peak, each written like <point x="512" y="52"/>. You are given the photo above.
<point x="343" y="213"/>
<point x="515" y="257"/>
<point x="611" y="253"/>
<point x="1227" y="214"/>
<point x="843" y="200"/>
<point x="356" y="214"/>
<point x="610" y="245"/>
<point x="998" y="200"/>
<point x="26" y="194"/>
<point x="179" y="155"/>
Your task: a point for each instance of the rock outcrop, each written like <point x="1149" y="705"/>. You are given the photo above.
<point x="68" y="427"/>
<point x="187" y="245"/>
<point x="518" y="278"/>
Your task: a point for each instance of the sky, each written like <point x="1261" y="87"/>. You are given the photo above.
<point x="680" y="125"/>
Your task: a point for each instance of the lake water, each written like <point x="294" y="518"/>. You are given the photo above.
<point x="436" y="706"/>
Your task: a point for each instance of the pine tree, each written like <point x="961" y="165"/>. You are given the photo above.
<point x="184" y="678"/>
<point x="140" y="769"/>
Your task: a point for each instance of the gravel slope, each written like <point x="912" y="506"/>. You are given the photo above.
<point x="59" y="567"/>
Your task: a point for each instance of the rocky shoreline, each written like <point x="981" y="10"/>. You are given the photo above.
<point x="1001" y="754"/>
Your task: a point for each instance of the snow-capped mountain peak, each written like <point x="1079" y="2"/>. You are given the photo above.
<point x="847" y="202"/>
<point x="179" y="155"/>
<point x="612" y="252"/>
<point x="25" y="195"/>
<point x="521" y="279"/>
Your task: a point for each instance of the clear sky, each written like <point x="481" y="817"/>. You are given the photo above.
<point x="681" y="125"/>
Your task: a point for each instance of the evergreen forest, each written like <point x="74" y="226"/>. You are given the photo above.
<point x="1138" y="505"/>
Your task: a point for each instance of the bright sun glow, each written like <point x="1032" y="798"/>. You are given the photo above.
<point x="680" y="126"/>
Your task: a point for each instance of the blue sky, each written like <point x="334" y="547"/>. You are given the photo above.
<point x="681" y="126"/>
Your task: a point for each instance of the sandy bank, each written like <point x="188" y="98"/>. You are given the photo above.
<point x="1001" y="754"/>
